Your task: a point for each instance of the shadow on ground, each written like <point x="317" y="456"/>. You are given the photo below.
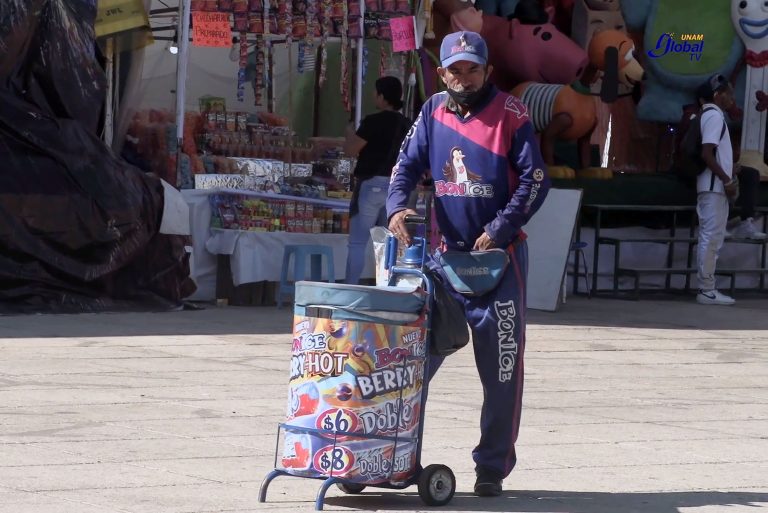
<point x="552" y="501"/>
<point x="211" y="320"/>
<point x="667" y="313"/>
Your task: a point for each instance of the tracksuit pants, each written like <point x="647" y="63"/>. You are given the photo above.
<point x="497" y="321"/>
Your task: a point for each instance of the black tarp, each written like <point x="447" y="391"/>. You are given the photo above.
<point x="79" y="228"/>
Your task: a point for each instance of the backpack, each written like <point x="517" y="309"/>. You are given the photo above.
<point x="689" y="163"/>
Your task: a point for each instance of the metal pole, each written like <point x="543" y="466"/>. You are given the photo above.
<point x="359" y="77"/>
<point x="181" y="66"/>
<point x="289" y="44"/>
<point x="270" y="76"/>
<point x="181" y="79"/>
<point x="116" y="93"/>
<point x="108" y="113"/>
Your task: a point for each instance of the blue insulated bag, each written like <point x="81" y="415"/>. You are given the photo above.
<point x="474" y="273"/>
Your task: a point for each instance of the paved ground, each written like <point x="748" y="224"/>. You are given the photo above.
<point x="650" y="406"/>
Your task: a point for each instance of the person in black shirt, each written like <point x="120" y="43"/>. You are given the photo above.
<point x="376" y="144"/>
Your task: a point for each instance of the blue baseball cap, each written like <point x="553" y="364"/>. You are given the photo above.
<point x="463" y="46"/>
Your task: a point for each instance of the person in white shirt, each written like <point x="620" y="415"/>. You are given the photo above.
<point x="714" y="185"/>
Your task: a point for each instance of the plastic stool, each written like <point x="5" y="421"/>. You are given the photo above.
<point x="300" y="253"/>
<point x="577" y="247"/>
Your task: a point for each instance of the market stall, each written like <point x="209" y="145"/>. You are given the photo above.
<point x="263" y="92"/>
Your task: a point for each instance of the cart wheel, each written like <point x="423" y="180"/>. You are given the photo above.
<point x="437" y="485"/>
<point x="350" y="488"/>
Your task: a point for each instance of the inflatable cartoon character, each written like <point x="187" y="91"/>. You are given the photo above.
<point x="517" y="51"/>
<point x="563" y="10"/>
<point x="589" y="16"/>
<point x="675" y="69"/>
<point x="568" y="111"/>
<point x="750" y="19"/>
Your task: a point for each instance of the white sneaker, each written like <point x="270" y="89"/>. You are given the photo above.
<point x="713" y="297"/>
<point x="747" y="230"/>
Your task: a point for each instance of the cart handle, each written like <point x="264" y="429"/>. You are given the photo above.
<point x="414" y="219"/>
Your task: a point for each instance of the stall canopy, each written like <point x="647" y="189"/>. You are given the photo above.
<point x="79" y="228"/>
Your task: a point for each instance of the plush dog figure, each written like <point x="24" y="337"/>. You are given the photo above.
<point x="568" y="111"/>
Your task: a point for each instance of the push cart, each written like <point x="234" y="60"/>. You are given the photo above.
<point x="358" y="385"/>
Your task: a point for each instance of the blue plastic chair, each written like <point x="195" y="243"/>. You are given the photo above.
<point x="301" y="253"/>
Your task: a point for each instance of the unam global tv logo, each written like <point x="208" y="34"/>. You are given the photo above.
<point x="692" y="44"/>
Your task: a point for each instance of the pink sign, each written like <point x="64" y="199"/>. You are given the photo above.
<point x="403" y="33"/>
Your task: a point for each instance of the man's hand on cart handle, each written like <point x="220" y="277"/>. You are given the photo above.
<point x="399" y="229"/>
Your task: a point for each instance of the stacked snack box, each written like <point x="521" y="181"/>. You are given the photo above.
<point x="239" y="134"/>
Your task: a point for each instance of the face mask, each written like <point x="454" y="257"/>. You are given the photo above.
<point x="469" y="99"/>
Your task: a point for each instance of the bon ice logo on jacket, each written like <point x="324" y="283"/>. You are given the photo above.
<point x="459" y="180"/>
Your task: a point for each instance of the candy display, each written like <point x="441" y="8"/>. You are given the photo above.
<point x="377" y="15"/>
<point x="236" y="134"/>
<point x="268" y="214"/>
<point x="212" y="103"/>
<point x="224" y="149"/>
<point x="319" y="180"/>
<point x="296" y="19"/>
<point x="313" y="26"/>
<point x="243" y="61"/>
<point x="217" y="135"/>
<point x="361" y="379"/>
<point x="305" y="20"/>
<point x="284" y="10"/>
<point x="258" y="84"/>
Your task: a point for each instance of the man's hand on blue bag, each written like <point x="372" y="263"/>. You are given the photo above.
<point x="483" y="243"/>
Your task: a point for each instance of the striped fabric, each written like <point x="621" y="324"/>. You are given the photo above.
<point x="540" y="100"/>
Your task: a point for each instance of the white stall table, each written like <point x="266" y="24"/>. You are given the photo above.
<point x="258" y="256"/>
<point x="254" y="256"/>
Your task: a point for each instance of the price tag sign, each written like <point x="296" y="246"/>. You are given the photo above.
<point x="114" y="16"/>
<point x="403" y="33"/>
<point x="211" y="29"/>
<point x="334" y="461"/>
